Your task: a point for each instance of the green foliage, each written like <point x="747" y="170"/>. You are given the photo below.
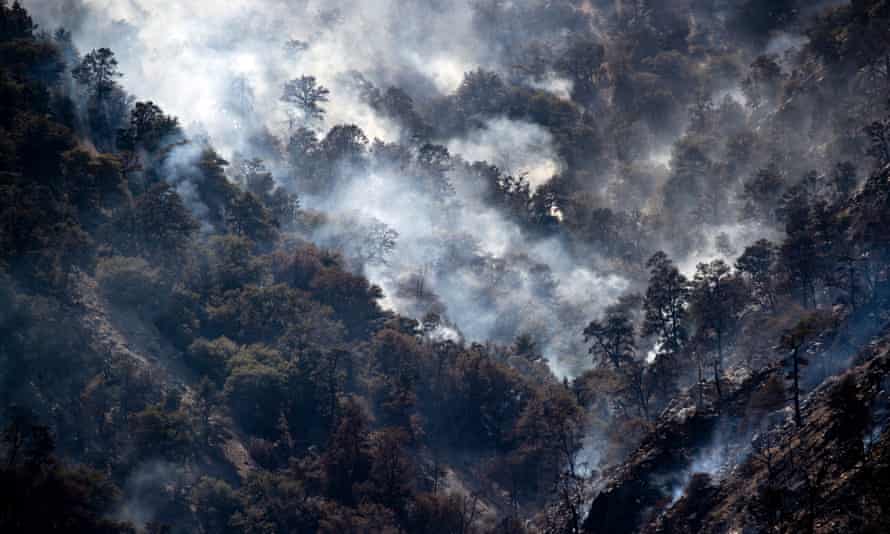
<point x="97" y="71"/>
<point x="211" y="358"/>
<point x="148" y="128"/>
<point x="352" y="297"/>
<point x="548" y="434"/>
<point x="256" y="389"/>
<point x="396" y="361"/>
<point x="665" y="304"/>
<point x="159" y="433"/>
<point x="483" y="400"/>
<point x="230" y="262"/>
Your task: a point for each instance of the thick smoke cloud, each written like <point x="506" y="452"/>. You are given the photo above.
<point x="188" y="56"/>
<point x="517" y="148"/>
<point x="220" y="69"/>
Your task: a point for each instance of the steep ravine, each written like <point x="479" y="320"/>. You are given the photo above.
<point x="807" y="479"/>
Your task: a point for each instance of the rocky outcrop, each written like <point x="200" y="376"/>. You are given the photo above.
<point x="832" y="474"/>
<point x="647" y="481"/>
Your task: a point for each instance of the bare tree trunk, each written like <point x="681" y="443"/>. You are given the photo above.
<point x="701" y="384"/>
<point x="796" y="377"/>
<point x="717" y="365"/>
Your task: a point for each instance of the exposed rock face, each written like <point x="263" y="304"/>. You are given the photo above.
<point x="830" y="475"/>
<point x="645" y="483"/>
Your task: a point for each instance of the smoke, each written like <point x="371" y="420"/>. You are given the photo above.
<point x="518" y="148"/>
<point x="191" y="57"/>
<point x="726" y="242"/>
<point x="220" y="68"/>
<point x="149" y="489"/>
<point x="466" y="261"/>
<point x="726" y="448"/>
<point x="880" y="416"/>
<point x="181" y="171"/>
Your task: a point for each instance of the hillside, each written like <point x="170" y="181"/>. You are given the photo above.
<point x="445" y="267"/>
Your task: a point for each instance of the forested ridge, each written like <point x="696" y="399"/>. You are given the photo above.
<point x="628" y="271"/>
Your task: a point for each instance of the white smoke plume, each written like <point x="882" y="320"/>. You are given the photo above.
<point x="220" y="68"/>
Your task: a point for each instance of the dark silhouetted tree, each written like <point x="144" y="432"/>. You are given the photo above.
<point x="756" y="265"/>
<point x="304" y="95"/>
<point x="612" y="338"/>
<point x="665" y="304"/>
<point x="793" y="343"/>
<point x="98" y="71"/>
<point x="716" y="299"/>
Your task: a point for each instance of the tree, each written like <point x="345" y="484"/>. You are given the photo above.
<point x="256" y="389"/>
<point x="665" y="304"/>
<point x="210" y="358"/>
<point x="482" y="399"/>
<point x="437" y="514"/>
<point x="398" y="105"/>
<point x="285" y="208"/>
<point x="148" y="128"/>
<point x="582" y="62"/>
<point x="377" y="243"/>
<point x="130" y="282"/>
<point x="762" y="193"/>
<point x="305" y="95"/>
<point x="333" y="375"/>
<point x="347" y="457"/>
<point x="878" y="133"/>
<point x="253" y="175"/>
<point x="296" y="46"/>
<point x="40" y="494"/>
<point x="247" y="216"/>
<point x="716" y="299"/>
<point x="612" y="338"/>
<point x="701" y="113"/>
<point x="164" y="226"/>
<point x="215" y="502"/>
<point x="344" y="144"/>
<point x="756" y="265"/>
<point x="205" y="398"/>
<point x="352" y="297"/>
<point x="480" y="93"/>
<point x="15" y="22"/>
<point x="573" y="494"/>
<point x="97" y="71"/>
<point x="391" y="473"/>
<point x="158" y="433"/>
<point x="526" y="347"/>
<point x="302" y="153"/>
<point x="792" y="343"/>
<point x="800" y="258"/>
<point x="434" y="162"/>
<point x="396" y="359"/>
<point x="642" y="381"/>
<point x="691" y="167"/>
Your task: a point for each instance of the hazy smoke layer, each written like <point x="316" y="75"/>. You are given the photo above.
<point x="220" y="68"/>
